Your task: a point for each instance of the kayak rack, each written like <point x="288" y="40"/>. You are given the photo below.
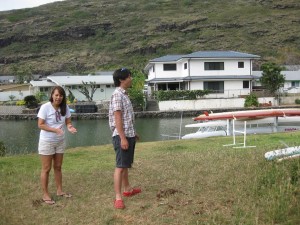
<point x="234" y="131"/>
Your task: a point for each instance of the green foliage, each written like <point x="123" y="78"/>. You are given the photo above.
<point x="31" y="102"/>
<point x="23" y="73"/>
<point x="20" y="103"/>
<point x="136" y="91"/>
<point x="12" y="97"/>
<point x="2" y="149"/>
<point x="180" y="95"/>
<point x="251" y="100"/>
<point x="271" y="78"/>
<point x="297" y="101"/>
<point x="156" y="28"/>
<point x="40" y="96"/>
<point x="71" y="96"/>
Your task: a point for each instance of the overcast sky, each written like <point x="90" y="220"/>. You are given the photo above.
<point x="20" y="4"/>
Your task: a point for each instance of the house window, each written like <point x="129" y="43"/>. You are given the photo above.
<point x="108" y="86"/>
<point x="295" y="83"/>
<point x="44" y="89"/>
<point x="215" y="86"/>
<point x="170" y="67"/>
<point x="162" y="86"/>
<point x="240" y="64"/>
<point x="98" y="86"/>
<point x="173" y="86"/>
<point x="185" y="66"/>
<point x="153" y="69"/>
<point x="213" y="65"/>
<point x="246" y="84"/>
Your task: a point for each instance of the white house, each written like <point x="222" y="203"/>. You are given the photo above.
<point x="227" y="73"/>
<point x="103" y="80"/>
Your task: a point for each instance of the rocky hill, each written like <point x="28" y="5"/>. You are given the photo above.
<point x="84" y="36"/>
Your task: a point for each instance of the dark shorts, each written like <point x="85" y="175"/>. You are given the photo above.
<point x="124" y="158"/>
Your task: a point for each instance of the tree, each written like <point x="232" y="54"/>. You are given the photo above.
<point x="23" y="73"/>
<point x="85" y="90"/>
<point x="272" y="78"/>
<point x="135" y="93"/>
<point x="12" y="97"/>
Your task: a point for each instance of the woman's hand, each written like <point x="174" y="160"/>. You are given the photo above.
<point x="59" y="131"/>
<point x="72" y="129"/>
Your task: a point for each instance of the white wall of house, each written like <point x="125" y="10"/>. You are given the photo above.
<point x="232" y="89"/>
<point x="100" y="94"/>
<point x="160" y="73"/>
<point x="208" y="104"/>
<point x="230" y="67"/>
<point x="19" y="95"/>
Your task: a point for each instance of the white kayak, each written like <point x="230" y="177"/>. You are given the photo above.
<point x="280" y="153"/>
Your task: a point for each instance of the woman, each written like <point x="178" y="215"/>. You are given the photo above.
<point x="52" y="117"/>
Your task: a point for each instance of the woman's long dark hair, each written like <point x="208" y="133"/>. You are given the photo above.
<point x="63" y="104"/>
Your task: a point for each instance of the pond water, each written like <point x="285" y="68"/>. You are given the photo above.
<point x="21" y="137"/>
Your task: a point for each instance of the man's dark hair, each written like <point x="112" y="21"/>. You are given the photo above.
<point x="121" y="74"/>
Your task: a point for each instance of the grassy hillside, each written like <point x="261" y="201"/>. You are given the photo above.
<point x="183" y="181"/>
<point x="83" y="36"/>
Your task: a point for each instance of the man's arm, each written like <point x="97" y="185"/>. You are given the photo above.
<point x="119" y="127"/>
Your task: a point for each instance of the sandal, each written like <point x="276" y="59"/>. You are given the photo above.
<point x="49" y="201"/>
<point x="66" y="195"/>
<point x="133" y="191"/>
<point x="119" y="204"/>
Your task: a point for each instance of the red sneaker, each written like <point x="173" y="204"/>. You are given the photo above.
<point x="134" y="191"/>
<point x="119" y="204"/>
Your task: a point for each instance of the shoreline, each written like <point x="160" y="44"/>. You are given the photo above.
<point x="141" y="114"/>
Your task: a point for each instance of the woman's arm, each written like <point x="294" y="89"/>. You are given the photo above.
<point x="70" y="126"/>
<point x="42" y="125"/>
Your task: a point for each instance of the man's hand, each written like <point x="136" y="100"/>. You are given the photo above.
<point x="124" y="144"/>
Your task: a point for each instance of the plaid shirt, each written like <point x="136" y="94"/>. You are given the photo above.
<point x="120" y="101"/>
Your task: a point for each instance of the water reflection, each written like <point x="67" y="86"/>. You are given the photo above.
<point x="20" y="137"/>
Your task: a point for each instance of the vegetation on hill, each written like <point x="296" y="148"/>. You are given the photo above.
<point x="84" y="36"/>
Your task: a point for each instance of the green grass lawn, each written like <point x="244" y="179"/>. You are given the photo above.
<point x="183" y="182"/>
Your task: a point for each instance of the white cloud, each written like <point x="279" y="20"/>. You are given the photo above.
<point x="20" y="4"/>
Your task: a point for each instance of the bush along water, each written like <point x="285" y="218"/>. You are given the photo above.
<point x="251" y="100"/>
<point x="180" y="95"/>
<point x="2" y="149"/>
<point x="31" y="102"/>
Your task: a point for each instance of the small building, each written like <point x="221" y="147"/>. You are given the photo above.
<point x="291" y="84"/>
<point x="103" y="80"/>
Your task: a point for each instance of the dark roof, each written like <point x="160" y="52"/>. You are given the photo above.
<point x="168" y="58"/>
<point x="289" y="75"/>
<point x="61" y="74"/>
<point x="206" y="55"/>
<point x="220" y="54"/>
<point x="170" y="79"/>
<point x="226" y="77"/>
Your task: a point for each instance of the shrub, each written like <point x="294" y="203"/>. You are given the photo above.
<point x="180" y="95"/>
<point x="251" y="100"/>
<point x="297" y="101"/>
<point x="2" y="149"/>
<point x="31" y="102"/>
<point x="20" y="103"/>
<point x="40" y="96"/>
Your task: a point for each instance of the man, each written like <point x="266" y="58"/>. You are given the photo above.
<point x="121" y="122"/>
